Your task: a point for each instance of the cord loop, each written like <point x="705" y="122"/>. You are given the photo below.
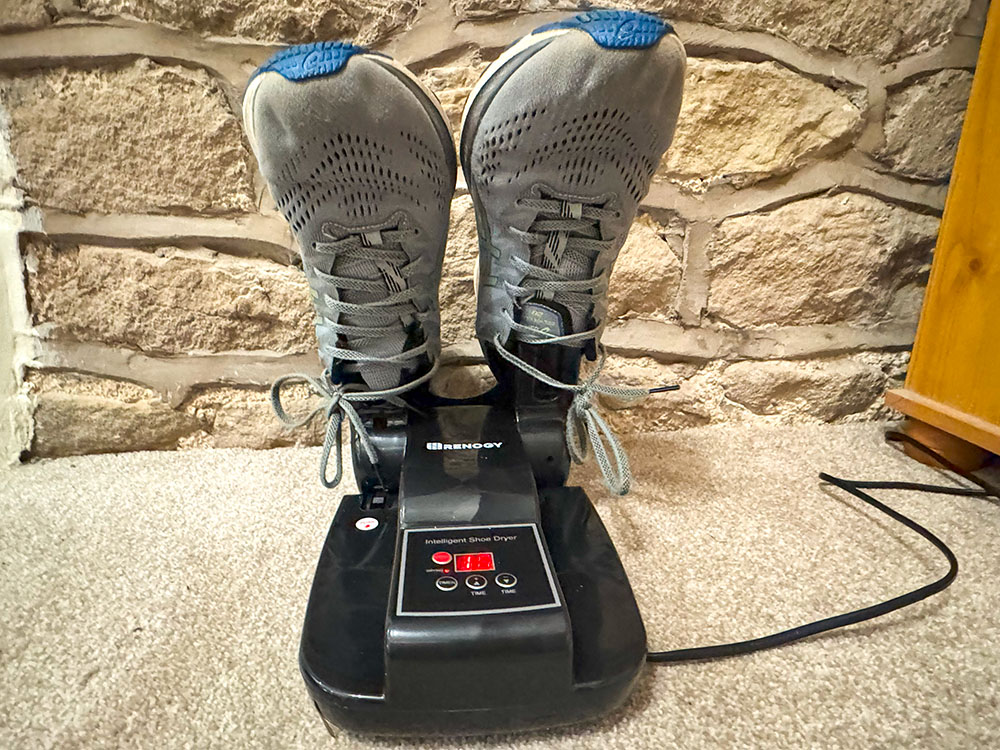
<point x="338" y="404"/>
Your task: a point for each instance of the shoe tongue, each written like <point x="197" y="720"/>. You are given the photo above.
<point x="543" y="312"/>
<point x="377" y="376"/>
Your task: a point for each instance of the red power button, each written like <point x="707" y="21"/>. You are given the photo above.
<point x="441" y="558"/>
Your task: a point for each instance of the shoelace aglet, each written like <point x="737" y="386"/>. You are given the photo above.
<point x="664" y="389"/>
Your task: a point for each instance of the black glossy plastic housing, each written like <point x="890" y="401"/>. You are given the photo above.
<point x="472" y="675"/>
<point x="370" y="667"/>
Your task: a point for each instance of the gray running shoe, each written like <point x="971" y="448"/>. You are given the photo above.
<point x="560" y="139"/>
<point x="359" y="159"/>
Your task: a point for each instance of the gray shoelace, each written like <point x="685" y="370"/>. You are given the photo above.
<point x="584" y="424"/>
<point x="390" y="269"/>
<point x="565" y="238"/>
<point x="391" y="306"/>
<point x="338" y="404"/>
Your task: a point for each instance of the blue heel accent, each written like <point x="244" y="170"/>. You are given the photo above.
<point x="616" y="29"/>
<point x="304" y="61"/>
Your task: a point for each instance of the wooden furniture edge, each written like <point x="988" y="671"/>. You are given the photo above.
<point x="965" y="426"/>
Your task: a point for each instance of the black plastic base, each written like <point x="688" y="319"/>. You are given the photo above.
<point x="371" y="671"/>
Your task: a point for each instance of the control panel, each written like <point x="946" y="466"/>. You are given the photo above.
<point x="474" y="570"/>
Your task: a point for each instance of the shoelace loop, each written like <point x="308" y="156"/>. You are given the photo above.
<point x="585" y="427"/>
<point x="338" y="404"/>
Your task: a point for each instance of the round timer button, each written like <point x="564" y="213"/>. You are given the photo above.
<point x="446" y="583"/>
<point x="506" y="580"/>
<point x="475" y="582"/>
<point x="441" y="558"/>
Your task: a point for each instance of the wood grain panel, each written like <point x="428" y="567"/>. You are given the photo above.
<point x="955" y="368"/>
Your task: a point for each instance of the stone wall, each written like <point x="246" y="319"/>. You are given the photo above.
<point x="776" y="270"/>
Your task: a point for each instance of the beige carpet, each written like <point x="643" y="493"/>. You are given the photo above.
<point x="154" y="600"/>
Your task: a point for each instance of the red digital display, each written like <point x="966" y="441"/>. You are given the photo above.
<point x="474" y="561"/>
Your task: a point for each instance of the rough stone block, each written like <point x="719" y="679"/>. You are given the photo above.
<point x="741" y="122"/>
<point x="841" y="389"/>
<point x="893" y="366"/>
<point x="20" y="15"/>
<point x="878" y="29"/>
<point x="827" y="390"/>
<point x="458" y="310"/>
<point x="468" y="10"/>
<point x="270" y="20"/>
<point x="695" y="405"/>
<point x="457" y="297"/>
<point x="648" y="271"/>
<point x="169" y="300"/>
<point x="135" y="138"/>
<point x="831" y="259"/>
<point x="236" y="417"/>
<point x="462" y="381"/>
<point x="923" y="123"/>
<point x="452" y="82"/>
<point x="78" y="414"/>
<point x="462" y="252"/>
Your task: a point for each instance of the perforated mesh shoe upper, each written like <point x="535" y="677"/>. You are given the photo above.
<point x="559" y="143"/>
<point x="560" y="140"/>
<point x="359" y="160"/>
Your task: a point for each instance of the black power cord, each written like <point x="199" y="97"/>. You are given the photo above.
<point x="857" y="488"/>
